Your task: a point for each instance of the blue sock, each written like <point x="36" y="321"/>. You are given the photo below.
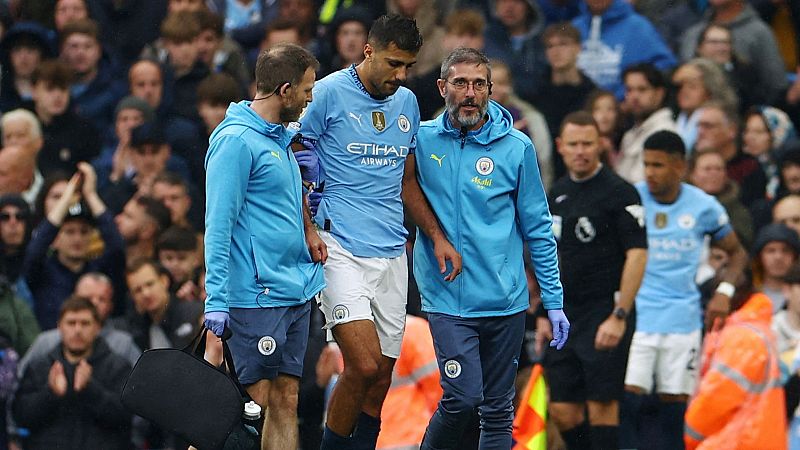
<point x="333" y="441"/>
<point x="365" y="436"/>
<point x="670" y="415"/>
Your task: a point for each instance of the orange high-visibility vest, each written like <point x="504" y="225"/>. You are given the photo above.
<point x="740" y="401"/>
<point x="529" y="423"/>
<point x="415" y="391"/>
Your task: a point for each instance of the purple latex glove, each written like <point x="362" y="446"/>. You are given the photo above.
<point x="560" y="328"/>
<point x="308" y="161"/>
<point x="217" y="321"/>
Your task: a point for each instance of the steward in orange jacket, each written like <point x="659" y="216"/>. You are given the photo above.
<point x="740" y="400"/>
<point x="414" y="392"/>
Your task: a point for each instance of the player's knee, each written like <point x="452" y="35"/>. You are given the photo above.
<point x="365" y="370"/>
<point x="461" y="403"/>
<point x="283" y="401"/>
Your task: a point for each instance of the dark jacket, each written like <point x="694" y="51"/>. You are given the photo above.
<point x="96" y="101"/>
<point x="91" y="419"/>
<point x="17" y="322"/>
<point x="181" y="322"/>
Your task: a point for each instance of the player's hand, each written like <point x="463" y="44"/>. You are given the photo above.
<point x="309" y="163"/>
<point x="544" y="333"/>
<point x="83" y="374"/>
<point x="609" y="333"/>
<point x="217" y="321"/>
<point x="316" y="247"/>
<point x="56" y="379"/>
<point x="444" y="251"/>
<point x="560" y="328"/>
<point x="718" y="308"/>
<point x="314" y="199"/>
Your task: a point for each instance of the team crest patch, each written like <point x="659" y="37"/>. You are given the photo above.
<point x="452" y="368"/>
<point x="266" y="345"/>
<point x="378" y="120"/>
<point x="661" y="220"/>
<point x="340" y="312"/>
<point x="484" y="166"/>
<point x="584" y="230"/>
<point x="403" y="123"/>
<point x="686" y="221"/>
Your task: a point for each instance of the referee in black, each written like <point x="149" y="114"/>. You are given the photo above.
<point x="598" y="221"/>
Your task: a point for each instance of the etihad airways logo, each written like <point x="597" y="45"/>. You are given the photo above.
<point x="366" y="149"/>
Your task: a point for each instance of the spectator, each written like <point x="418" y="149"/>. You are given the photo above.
<point x="766" y="130"/>
<point x="140" y="223"/>
<point x="707" y="171"/>
<point x="281" y="31"/>
<point x="179" y="35"/>
<point x="787" y="212"/>
<point x="557" y="11"/>
<point x="115" y="160"/>
<point x="98" y="289"/>
<point x="15" y="232"/>
<point x="176" y="194"/>
<point x="18" y="174"/>
<point x="67" y="227"/>
<point x="615" y="38"/>
<point x="425" y="13"/>
<point x="789" y="171"/>
<point x="304" y="14"/>
<point x="526" y="119"/>
<point x="347" y="35"/>
<point x="717" y="129"/>
<point x="214" y="94"/>
<point x="177" y="252"/>
<point x="775" y="251"/>
<point x="463" y="28"/>
<point x="174" y="6"/>
<point x="605" y="109"/>
<point x="645" y="93"/>
<point x="716" y="44"/>
<point x="786" y="323"/>
<point x="740" y="401"/>
<point x="69" y="398"/>
<point x="563" y="88"/>
<point x="24" y="46"/>
<point x="67" y="11"/>
<point x="18" y="330"/>
<point x="513" y="36"/>
<point x="220" y="53"/>
<point x="245" y="20"/>
<point x="68" y="138"/>
<point x="96" y="88"/>
<point x="126" y="26"/>
<point x="752" y="39"/>
<point x="697" y="82"/>
<point x="158" y="319"/>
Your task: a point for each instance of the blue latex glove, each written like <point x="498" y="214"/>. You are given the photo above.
<point x="314" y="198"/>
<point x="217" y="321"/>
<point x="308" y="161"/>
<point x="560" y="328"/>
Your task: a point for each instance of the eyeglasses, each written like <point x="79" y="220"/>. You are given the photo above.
<point x="5" y="217"/>
<point x="477" y="85"/>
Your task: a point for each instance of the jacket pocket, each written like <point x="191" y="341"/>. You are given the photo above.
<point x="275" y="258"/>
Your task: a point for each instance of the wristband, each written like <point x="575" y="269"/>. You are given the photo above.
<point x="726" y="289"/>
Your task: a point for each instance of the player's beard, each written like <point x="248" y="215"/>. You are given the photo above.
<point x="467" y="120"/>
<point x="291" y="113"/>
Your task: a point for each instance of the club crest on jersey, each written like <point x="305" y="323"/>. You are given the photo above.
<point x="340" y="312"/>
<point x="378" y="120"/>
<point x="661" y="220"/>
<point x="584" y="230"/>
<point x="403" y="123"/>
<point x="484" y="166"/>
<point x="686" y="221"/>
<point x="266" y="345"/>
<point x="452" y="368"/>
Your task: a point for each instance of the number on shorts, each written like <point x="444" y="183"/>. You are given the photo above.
<point x="690" y="365"/>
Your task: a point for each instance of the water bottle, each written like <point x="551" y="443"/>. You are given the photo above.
<point x="252" y="415"/>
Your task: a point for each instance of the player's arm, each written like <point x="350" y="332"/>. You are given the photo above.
<point x="422" y="215"/>
<point x="720" y="304"/>
<point x="316" y="247"/>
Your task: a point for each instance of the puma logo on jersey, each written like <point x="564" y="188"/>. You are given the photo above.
<point x="437" y="159"/>
<point x="275" y="154"/>
<point x="357" y="117"/>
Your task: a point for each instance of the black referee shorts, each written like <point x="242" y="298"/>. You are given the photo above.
<point x="579" y="372"/>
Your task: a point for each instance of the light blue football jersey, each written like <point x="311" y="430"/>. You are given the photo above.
<point x="362" y="143"/>
<point x="668" y="300"/>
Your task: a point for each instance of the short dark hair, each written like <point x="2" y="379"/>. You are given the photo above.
<point x="148" y="133"/>
<point x="54" y="74"/>
<point x="207" y="20"/>
<point x="463" y="55"/>
<point x="80" y="26"/>
<point x="653" y="76"/>
<point x="74" y="303"/>
<point x="177" y="238"/>
<point x="465" y="21"/>
<point x="140" y="263"/>
<point x="562" y="29"/>
<point x="666" y="141"/>
<point x="283" y="63"/>
<point x="172" y="179"/>
<point x="580" y="118"/>
<point x="282" y="25"/>
<point x="395" y="28"/>
<point x="180" y="27"/>
<point x="156" y="210"/>
<point x="218" y="89"/>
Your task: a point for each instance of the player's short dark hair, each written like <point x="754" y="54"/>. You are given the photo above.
<point x="218" y="89"/>
<point x="54" y="74"/>
<point x="463" y="55"/>
<point x="580" y="118"/>
<point x="564" y="29"/>
<point x="177" y="238"/>
<point x="395" y="28"/>
<point x="156" y="210"/>
<point x="666" y="141"/>
<point x="74" y="303"/>
<point x="283" y="63"/>
<point x="653" y="76"/>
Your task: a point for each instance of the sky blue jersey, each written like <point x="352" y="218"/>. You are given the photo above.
<point x="362" y="143"/>
<point x="668" y="300"/>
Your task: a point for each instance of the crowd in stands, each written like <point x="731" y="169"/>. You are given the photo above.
<point x="107" y="107"/>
